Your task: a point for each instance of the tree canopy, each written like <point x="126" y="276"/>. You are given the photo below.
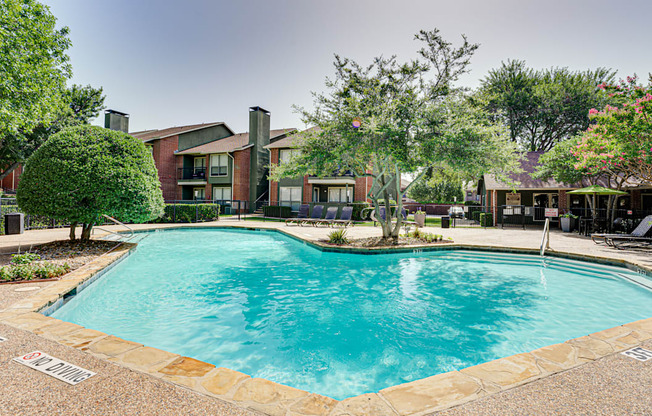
<point x="436" y="189"/>
<point x="33" y="65"/>
<point x="620" y="141"/>
<point x="543" y="107"/>
<point x="79" y="105"/>
<point x="83" y="172"/>
<point x="389" y="118"/>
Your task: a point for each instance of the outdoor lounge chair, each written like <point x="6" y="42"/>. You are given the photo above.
<point x="315" y="217"/>
<point x="303" y="214"/>
<point x="331" y="214"/>
<point x="345" y="218"/>
<point x="639" y="235"/>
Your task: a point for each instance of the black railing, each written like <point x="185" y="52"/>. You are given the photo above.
<point x="32" y="222"/>
<point x="191" y="173"/>
<point x="336" y="174"/>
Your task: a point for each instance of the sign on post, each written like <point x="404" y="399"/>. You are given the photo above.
<point x="54" y="367"/>
<point x="551" y="212"/>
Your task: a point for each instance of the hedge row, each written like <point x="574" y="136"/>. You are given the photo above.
<point x="190" y="213"/>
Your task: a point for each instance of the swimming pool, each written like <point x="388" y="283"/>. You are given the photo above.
<point x="345" y="324"/>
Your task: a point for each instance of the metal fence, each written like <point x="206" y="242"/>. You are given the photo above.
<point x="32" y="222"/>
<point x="175" y="211"/>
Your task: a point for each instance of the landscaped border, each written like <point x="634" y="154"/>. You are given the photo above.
<point x="415" y="398"/>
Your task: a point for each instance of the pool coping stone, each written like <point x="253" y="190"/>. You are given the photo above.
<point x="419" y="397"/>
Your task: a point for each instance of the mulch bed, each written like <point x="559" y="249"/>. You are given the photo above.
<point x="380" y="242"/>
<point x="75" y="253"/>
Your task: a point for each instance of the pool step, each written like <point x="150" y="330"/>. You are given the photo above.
<point x="567" y="265"/>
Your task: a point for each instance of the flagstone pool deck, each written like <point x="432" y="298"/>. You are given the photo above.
<point x="587" y="375"/>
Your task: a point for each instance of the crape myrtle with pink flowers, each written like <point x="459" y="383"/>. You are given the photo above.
<point x="620" y="140"/>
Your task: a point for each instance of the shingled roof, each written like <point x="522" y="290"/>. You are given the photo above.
<point x="524" y="180"/>
<point x="149" y="135"/>
<point x="289" y="141"/>
<point x="233" y="143"/>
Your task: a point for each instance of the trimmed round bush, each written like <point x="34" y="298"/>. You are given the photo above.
<point x="83" y="172"/>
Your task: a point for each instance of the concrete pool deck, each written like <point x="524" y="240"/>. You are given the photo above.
<point x="531" y="379"/>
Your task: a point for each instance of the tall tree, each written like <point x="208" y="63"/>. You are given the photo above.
<point x="437" y="186"/>
<point x="79" y="105"/>
<point x="385" y="119"/>
<point x="33" y="65"/>
<point x="543" y="107"/>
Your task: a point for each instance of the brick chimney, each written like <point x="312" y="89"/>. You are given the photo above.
<point x="259" y="122"/>
<point x="115" y="120"/>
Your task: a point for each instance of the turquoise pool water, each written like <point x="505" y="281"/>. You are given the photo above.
<point x="346" y="324"/>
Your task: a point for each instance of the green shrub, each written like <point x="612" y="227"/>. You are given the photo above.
<point x="32" y="271"/>
<point x="338" y="237"/>
<point x="186" y="213"/>
<point x="357" y="210"/>
<point x="425" y="237"/>
<point x="83" y="172"/>
<point x="24" y="258"/>
<point x="277" y="211"/>
<point x="486" y="219"/>
<point x="475" y="215"/>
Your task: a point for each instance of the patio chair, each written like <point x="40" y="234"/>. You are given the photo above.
<point x="315" y="217"/>
<point x="640" y="235"/>
<point x="331" y="214"/>
<point x="303" y="214"/>
<point x="345" y="218"/>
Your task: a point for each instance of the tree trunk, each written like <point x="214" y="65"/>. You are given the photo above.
<point x="86" y="231"/>
<point x="387" y="230"/>
<point x="7" y="171"/>
<point x="399" y="206"/>
<point x="73" y="225"/>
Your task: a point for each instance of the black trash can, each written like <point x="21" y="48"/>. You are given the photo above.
<point x="445" y="222"/>
<point x="14" y="223"/>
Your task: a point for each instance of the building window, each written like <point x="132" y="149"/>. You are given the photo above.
<point x="339" y="194"/>
<point x="198" y="194"/>
<point x="219" y="165"/>
<point x="199" y="168"/>
<point x="221" y="193"/>
<point x="290" y="196"/>
<point x="284" y="155"/>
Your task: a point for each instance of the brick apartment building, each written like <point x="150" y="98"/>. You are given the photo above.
<point x="10" y="182"/>
<point x="211" y="162"/>
<point x="295" y="191"/>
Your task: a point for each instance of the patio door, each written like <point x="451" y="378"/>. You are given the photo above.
<point x="199" y="168"/>
<point x="543" y="201"/>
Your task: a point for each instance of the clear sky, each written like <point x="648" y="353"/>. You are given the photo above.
<point x="176" y="62"/>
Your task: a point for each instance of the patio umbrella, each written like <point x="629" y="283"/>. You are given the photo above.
<point x="596" y="190"/>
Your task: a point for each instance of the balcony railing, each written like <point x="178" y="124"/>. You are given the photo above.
<point x="337" y="173"/>
<point x="191" y="173"/>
